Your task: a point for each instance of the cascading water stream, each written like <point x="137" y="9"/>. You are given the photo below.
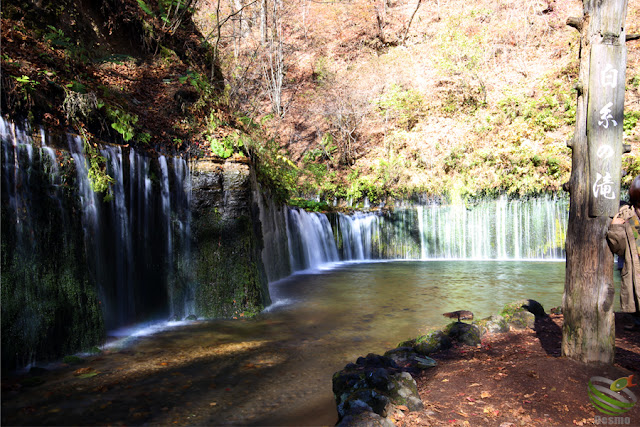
<point x="311" y="242"/>
<point x="499" y="229"/>
<point x="136" y="240"/>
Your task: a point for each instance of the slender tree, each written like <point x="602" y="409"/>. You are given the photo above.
<point x="588" y="331"/>
<point x="273" y="67"/>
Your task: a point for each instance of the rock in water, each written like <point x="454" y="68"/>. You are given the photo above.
<point x="464" y="333"/>
<point x="374" y="384"/>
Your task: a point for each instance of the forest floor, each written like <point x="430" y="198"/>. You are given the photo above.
<point x="519" y="378"/>
<point x="512" y="379"/>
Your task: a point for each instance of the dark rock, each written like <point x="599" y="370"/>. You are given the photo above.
<point x="374" y="385"/>
<point x="464" y="333"/>
<point x="431" y="343"/>
<point x="378" y="378"/>
<point x="376" y="361"/>
<point x="365" y="419"/>
<point x="402" y="350"/>
<point x="227" y="241"/>
<point x="346" y="382"/>
<point x="191" y="317"/>
<point x="368" y="400"/>
<point x="407" y="356"/>
<point x="401" y="355"/>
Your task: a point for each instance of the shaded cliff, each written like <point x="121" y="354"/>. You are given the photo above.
<point x="228" y="241"/>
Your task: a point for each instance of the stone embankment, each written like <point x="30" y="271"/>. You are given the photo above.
<point x="371" y="391"/>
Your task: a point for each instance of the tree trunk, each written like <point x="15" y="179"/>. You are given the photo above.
<point x="406" y="31"/>
<point x="588" y="330"/>
<point x="273" y="66"/>
<point x="263" y="22"/>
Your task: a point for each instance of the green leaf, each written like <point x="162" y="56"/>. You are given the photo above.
<point x="221" y="149"/>
<point x="145" y="8"/>
<point x="77" y="87"/>
<point x="89" y="374"/>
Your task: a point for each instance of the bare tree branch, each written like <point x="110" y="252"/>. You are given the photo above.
<point x="406" y="31"/>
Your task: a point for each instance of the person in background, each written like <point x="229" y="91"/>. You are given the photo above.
<point x="623" y="237"/>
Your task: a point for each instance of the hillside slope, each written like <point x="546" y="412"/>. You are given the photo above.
<point x="329" y="99"/>
<point x="454" y="98"/>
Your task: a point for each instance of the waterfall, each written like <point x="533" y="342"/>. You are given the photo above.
<point x="500" y="229"/>
<point x="136" y="240"/>
<point x="184" y="287"/>
<point x="357" y="232"/>
<point x="311" y="242"/>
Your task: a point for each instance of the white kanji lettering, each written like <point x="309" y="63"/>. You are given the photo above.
<point x="604" y="152"/>
<point x="609" y="77"/>
<point x="605" y="116"/>
<point x="603" y="186"/>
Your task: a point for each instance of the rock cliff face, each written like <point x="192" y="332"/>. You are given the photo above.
<point x="230" y="276"/>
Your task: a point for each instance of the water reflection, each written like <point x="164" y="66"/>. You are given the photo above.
<point x="320" y="322"/>
<point x="334" y="317"/>
<point x="407" y="296"/>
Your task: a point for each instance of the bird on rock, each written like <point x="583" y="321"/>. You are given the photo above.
<point x="460" y="314"/>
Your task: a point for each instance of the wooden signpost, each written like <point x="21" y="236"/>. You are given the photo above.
<point x="588" y="329"/>
<point x="604" y="124"/>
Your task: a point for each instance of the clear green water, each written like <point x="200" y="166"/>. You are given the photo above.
<point x="323" y="321"/>
<point x="390" y="301"/>
<point x="331" y="318"/>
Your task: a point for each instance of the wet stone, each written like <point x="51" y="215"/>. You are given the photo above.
<point x="432" y="343"/>
<point x="374" y="384"/>
<point x="464" y="333"/>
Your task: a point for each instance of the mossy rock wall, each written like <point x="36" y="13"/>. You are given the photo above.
<point x="50" y="305"/>
<point x="229" y="273"/>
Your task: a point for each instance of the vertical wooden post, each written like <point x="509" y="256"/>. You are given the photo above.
<point x="588" y="330"/>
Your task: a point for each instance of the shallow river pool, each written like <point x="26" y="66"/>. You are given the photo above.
<point x="276" y="369"/>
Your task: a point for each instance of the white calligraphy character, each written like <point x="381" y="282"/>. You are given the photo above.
<point x="605" y="115"/>
<point x="609" y="76"/>
<point x="604" y="152"/>
<point x="603" y="187"/>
